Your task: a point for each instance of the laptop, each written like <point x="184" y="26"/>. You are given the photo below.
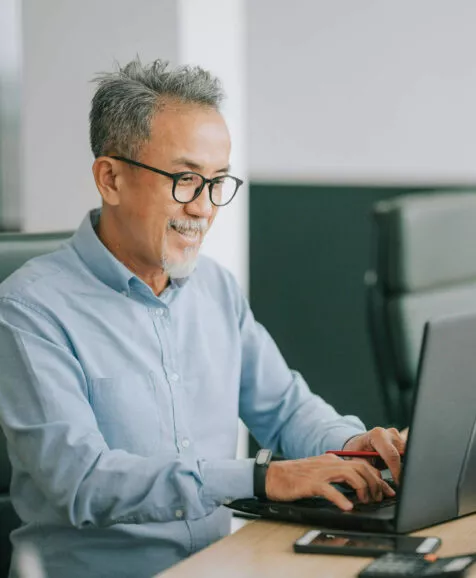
<point x="438" y="479"/>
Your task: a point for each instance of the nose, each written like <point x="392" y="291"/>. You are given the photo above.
<point x="202" y="206"/>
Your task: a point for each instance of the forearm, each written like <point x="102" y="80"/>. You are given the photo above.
<point x="277" y="405"/>
<point x="58" y="449"/>
<point x="315" y="427"/>
<point x="148" y="490"/>
<point x="302" y="424"/>
<point x="87" y="484"/>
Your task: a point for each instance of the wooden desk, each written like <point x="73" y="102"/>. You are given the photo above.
<point x="263" y="549"/>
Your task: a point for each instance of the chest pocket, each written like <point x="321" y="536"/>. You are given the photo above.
<point x="127" y="412"/>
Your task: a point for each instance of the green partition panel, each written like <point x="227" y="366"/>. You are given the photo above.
<point x="309" y="250"/>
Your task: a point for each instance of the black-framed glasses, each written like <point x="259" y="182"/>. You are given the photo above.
<point x="188" y="185"/>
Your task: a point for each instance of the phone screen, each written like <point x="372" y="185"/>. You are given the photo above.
<point x="354" y="541"/>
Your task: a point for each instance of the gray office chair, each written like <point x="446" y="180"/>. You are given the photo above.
<point x="15" y="250"/>
<point x="424" y="266"/>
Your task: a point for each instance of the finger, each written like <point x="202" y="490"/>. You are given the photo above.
<point x="378" y="487"/>
<point x="382" y="442"/>
<point x="388" y="490"/>
<point x="399" y="440"/>
<point x="360" y="474"/>
<point x="351" y="477"/>
<point x="371" y="478"/>
<point x="332" y="458"/>
<point x="367" y="459"/>
<point x="330" y="493"/>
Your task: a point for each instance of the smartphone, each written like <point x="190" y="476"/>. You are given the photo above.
<point x="361" y="544"/>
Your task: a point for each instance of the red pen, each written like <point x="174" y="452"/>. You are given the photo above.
<point x="375" y="456"/>
<point x="350" y="454"/>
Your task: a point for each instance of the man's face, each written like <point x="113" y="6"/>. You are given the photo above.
<point x="184" y="137"/>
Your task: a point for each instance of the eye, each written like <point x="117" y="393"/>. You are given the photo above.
<point x="189" y="180"/>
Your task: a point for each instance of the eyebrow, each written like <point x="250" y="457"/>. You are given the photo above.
<point x="195" y="166"/>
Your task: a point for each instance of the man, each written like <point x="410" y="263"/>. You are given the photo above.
<point x="127" y="359"/>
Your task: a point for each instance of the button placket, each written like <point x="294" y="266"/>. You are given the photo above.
<point x="185" y="443"/>
<point x="161" y="320"/>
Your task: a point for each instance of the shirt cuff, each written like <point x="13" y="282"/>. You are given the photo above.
<point x="227" y="480"/>
<point x="337" y="437"/>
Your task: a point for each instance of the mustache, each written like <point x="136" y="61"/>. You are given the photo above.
<point x="188" y="225"/>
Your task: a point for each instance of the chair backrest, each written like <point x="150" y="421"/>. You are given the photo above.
<point x="424" y="267"/>
<point x="15" y="250"/>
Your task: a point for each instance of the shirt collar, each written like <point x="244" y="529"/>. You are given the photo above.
<point x="102" y="262"/>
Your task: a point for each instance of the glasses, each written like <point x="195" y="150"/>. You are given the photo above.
<point x="188" y="185"/>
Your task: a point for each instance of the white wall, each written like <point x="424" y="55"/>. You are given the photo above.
<point x="370" y="91"/>
<point x="10" y="113"/>
<point x="65" y="44"/>
<point x="212" y="34"/>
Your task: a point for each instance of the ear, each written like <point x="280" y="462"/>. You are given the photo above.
<point x="107" y="176"/>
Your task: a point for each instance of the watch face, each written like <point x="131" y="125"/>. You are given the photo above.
<point x="262" y="457"/>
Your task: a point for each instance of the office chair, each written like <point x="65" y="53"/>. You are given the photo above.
<point x="424" y="266"/>
<point x="15" y="250"/>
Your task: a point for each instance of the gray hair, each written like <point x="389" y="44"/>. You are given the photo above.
<point x="126" y="101"/>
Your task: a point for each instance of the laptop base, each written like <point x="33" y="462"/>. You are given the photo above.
<point x="382" y="520"/>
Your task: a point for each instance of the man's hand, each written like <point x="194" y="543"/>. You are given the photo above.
<point x="293" y="479"/>
<point x="389" y="443"/>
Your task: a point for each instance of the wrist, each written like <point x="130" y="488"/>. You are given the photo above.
<point x="279" y="479"/>
<point x="272" y="479"/>
<point x="354" y="437"/>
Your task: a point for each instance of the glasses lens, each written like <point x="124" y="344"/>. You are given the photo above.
<point x="223" y="190"/>
<point x="187" y="186"/>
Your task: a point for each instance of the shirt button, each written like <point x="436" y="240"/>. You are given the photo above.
<point x="185" y="443"/>
<point x="174" y="377"/>
<point x="179" y="514"/>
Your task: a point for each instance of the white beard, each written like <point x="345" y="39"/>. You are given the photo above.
<point x="186" y="266"/>
<point x="179" y="270"/>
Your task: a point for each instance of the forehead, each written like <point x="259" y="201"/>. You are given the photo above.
<point x="189" y="130"/>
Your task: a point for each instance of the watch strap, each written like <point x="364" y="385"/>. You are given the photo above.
<point x="262" y="461"/>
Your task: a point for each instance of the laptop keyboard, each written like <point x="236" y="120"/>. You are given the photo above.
<point x="373" y="506"/>
<point x="352" y="496"/>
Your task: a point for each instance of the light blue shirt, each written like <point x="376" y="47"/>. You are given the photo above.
<point x="120" y="409"/>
